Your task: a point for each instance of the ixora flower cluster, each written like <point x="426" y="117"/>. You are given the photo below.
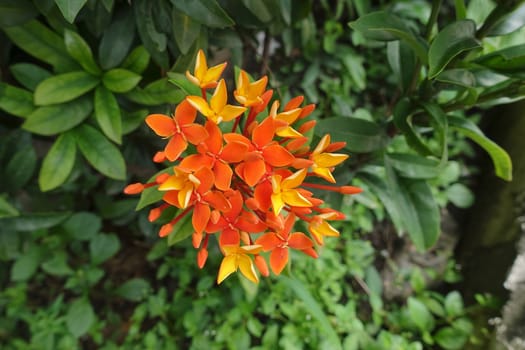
<point x="246" y="187"/>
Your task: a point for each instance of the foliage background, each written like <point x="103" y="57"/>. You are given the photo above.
<point x="403" y="87"/>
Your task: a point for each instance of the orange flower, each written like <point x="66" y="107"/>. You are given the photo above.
<point x="319" y="226"/>
<point x="324" y="162"/>
<point x="217" y="110"/>
<point x="279" y="242"/>
<point x="249" y="94"/>
<point x="284" y="120"/>
<point x="205" y="77"/>
<point x="284" y="191"/>
<point x="180" y="129"/>
<point x="237" y="257"/>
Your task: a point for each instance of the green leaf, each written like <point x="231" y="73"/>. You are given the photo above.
<point x="385" y="26"/>
<point x="450" y="338"/>
<point x="508" y="60"/>
<point x="42" y="43"/>
<point x="402" y="60"/>
<point x="207" y="12"/>
<point x="137" y="61"/>
<point x="403" y="121"/>
<point x="183" y="83"/>
<point x="500" y="158"/>
<point x="57" y="265"/>
<point x="107" y="113"/>
<point x="100" y="153"/>
<point x="259" y="9"/>
<point x="82" y="226"/>
<point x="117" y="39"/>
<point x="64" y="87"/>
<point x="103" y="246"/>
<point x="154" y="41"/>
<point x="510" y="23"/>
<point x="58" y="163"/>
<point x="16" y="12"/>
<point x="439" y="123"/>
<point x="156" y="93"/>
<point x="132" y="120"/>
<point x="313" y="308"/>
<point x="454" y="304"/>
<point x="361" y="136"/>
<point x="120" y="80"/>
<point x="51" y="120"/>
<point x="20" y="168"/>
<point x="27" y="264"/>
<point x="80" y="51"/>
<point x="135" y="289"/>
<point x="37" y="221"/>
<point x="461" y="9"/>
<point x="181" y="230"/>
<point x="6" y="209"/>
<point x="420" y="315"/>
<point x="185" y="30"/>
<point x="16" y="101"/>
<point x="80" y="317"/>
<point x="454" y="39"/>
<point x="414" y="166"/>
<point x="457" y="76"/>
<point x="70" y="8"/>
<point x="29" y="75"/>
<point x="460" y="195"/>
<point x="151" y="194"/>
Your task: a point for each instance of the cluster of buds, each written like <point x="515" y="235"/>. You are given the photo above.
<point x="246" y="187"/>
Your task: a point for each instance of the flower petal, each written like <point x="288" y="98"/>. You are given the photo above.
<point x="247" y="269"/>
<point x="201" y="105"/>
<point x="201" y="216"/>
<point x="300" y="241"/>
<point x="219" y="97"/>
<point x="223" y="176"/>
<point x="185" y="113"/>
<point x="229" y="237"/>
<point x="176" y="145"/>
<point x="278" y="259"/>
<point x="214" y="73"/>
<point x="295" y="199"/>
<point x="161" y="124"/>
<point x="234" y="152"/>
<point x="263" y="133"/>
<point x="228" y="266"/>
<point x="214" y="140"/>
<point x="230" y="112"/>
<point x="277" y="156"/>
<point x="194" y="133"/>
<point x="269" y="241"/>
<point x="277" y="203"/>
<point x="254" y="171"/>
<point x="327" y="160"/>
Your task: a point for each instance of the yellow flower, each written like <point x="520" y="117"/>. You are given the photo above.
<point x="237" y="257"/>
<point x="324" y="162"/>
<point x="205" y="77"/>
<point x="285" y="192"/>
<point x="318" y="226"/>
<point x="179" y="188"/>
<point x="217" y="110"/>
<point x="249" y="94"/>
<point x="284" y="119"/>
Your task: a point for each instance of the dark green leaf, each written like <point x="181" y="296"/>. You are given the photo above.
<point x="137" y="60"/>
<point x="107" y="113"/>
<point x="403" y="121"/>
<point x="500" y="158"/>
<point x="511" y="22"/>
<point x="37" y="221"/>
<point x="58" y="163"/>
<point x="181" y="230"/>
<point x="29" y="75"/>
<point x="450" y="338"/>
<point x="402" y="60"/>
<point x="42" y="43"/>
<point x="6" y="209"/>
<point x="80" y="317"/>
<point x="80" y="51"/>
<point x="183" y="83"/>
<point x="259" y="9"/>
<point x="508" y="60"/>
<point x="361" y="135"/>
<point x="156" y="93"/>
<point x="100" y="153"/>
<point x="82" y="225"/>
<point x="57" y="265"/>
<point x="51" y="120"/>
<point x="420" y="315"/>
<point x="385" y="26"/>
<point x="108" y="4"/>
<point x="439" y="123"/>
<point x="16" y="12"/>
<point x="135" y="289"/>
<point x="151" y="194"/>
<point x="70" y="8"/>
<point x="27" y="264"/>
<point x="132" y="120"/>
<point x="185" y="30"/>
<point x="207" y="12"/>
<point x="64" y="87"/>
<point x="117" y="39"/>
<point x="20" y="168"/>
<point x="103" y="246"/>
<point x="286" y="10"/>
<point x="153" y="40"/>
<point x="459" y="76"/>
<point x="120" y="80"/>
<point x="461" y="9"/>
<point x="451" y="41"/>
<point x="414" y="166"/>
<point x="16" y="101"/>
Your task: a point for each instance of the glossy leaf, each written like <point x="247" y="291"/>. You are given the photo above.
<point x="64" y="87"/>
<point x="40" y="42"/>
<point x="132" y="120"/>
<point x="510" y="59"/>
<point x="259" y="9"/>
<point x="207" y="12"/>
<point x="183" y="83"/>
<point x="402" y="60"/>
<point x="7" y="210"/>
<point x="82" y="225"/>
<point x="107" y="113"/>
<point x="137" y="61"/>
<point x="361" y="136"/>
<point x="185" y="30"/>
<point x="511" y="22"/>
<point x="16" y="101"/>
<point x="460" y="195"/>
<point x="77" y="48"/>
<point x="103" y="246"/>
<point x="80" y="317"/>
<point x="500" y="158"/>
<point x="420" y="315"/>
<point x="29" y="75"/>
<point x="457" y="76"/>
<point x="58" y="163"/>
<point x="51" y="120"/>
<point x="156" y="93"/>
<point x="153" y="40"/>
<point x="100" y="153"/>
<point x="70" y="8"/>
<point x="151" y="194"/>
<point x="181" y="230"/>
<point x="120" y="80"/>
<point x="403" y="121"/>
<point x="413" y="166"/>
<point x="16" y="12"/>
<point x="439" y="123"/>
<point x="117" y="40"/>
<point x="454" y="39"/>
<point x="20" y="168"/>
<point x="385" y="26"/>
<point x="37" y="221"/>
<point x="135" y="289"/>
